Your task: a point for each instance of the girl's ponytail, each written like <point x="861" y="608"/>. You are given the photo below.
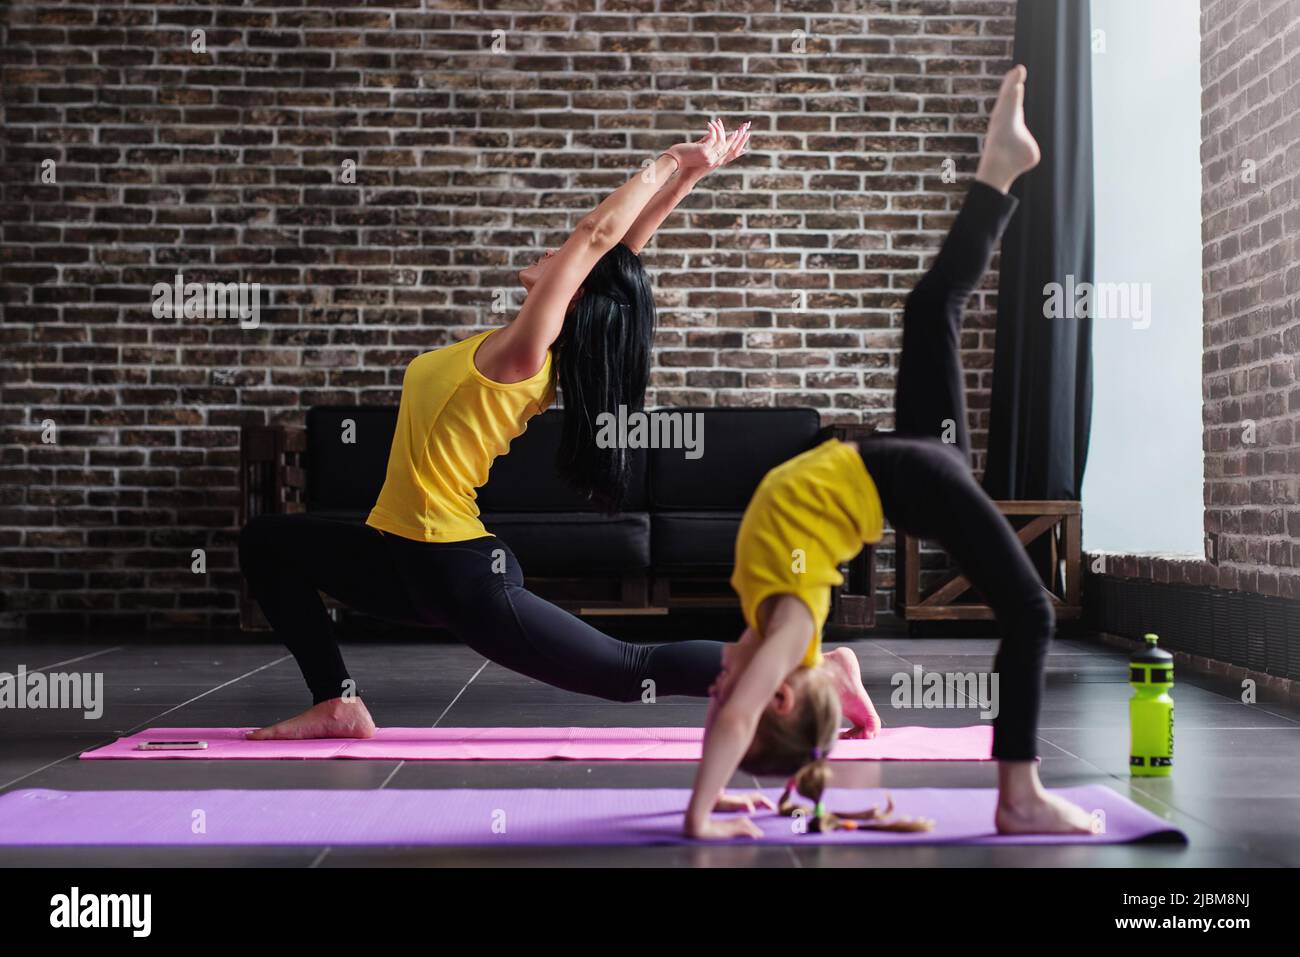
<point x="811" y="781"/>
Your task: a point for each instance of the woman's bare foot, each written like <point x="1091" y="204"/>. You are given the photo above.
<point x="856" y="704"/>
<point x="1026" y="807"/>
<point x="1009" y="148"/>
<point x="336" y="718"/>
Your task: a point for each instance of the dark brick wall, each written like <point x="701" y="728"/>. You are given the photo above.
<point x="1250" y="72"/>
<point x="779" y="284"/>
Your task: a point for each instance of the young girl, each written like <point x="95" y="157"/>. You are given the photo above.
<point x="423" y="556"/>
<point x="776" y="707"/>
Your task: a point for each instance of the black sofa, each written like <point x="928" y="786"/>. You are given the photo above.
<point x="671" y="546"/>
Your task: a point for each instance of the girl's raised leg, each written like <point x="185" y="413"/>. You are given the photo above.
<point x="929" y="493"/>
<point x="930" y="399"/>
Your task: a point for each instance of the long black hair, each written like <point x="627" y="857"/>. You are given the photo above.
<point x="602" y="361"/>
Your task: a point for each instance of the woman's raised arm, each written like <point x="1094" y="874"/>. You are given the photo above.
<point x="676" y="189"/>
<point x="518" y="351"/>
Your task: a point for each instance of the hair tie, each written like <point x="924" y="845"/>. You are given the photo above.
<point x="818" y="754"/>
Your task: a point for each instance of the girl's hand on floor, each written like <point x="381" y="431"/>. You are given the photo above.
<point x="748" y="803"/>
<point x="725" y="829"/>
<point x="858" y="732"/>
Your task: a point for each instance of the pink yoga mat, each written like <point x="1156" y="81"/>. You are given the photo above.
<point x="536" y="744"/>
<point x="501" y="817"/>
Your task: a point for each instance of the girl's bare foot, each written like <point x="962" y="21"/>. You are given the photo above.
<point x="1026" y="807"/>
<point x="856" y="704"/>
<point x="336" y="718"/>
<point x="1009" y="148"/>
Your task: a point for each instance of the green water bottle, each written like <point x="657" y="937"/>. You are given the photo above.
<point x="1151" y="712"/>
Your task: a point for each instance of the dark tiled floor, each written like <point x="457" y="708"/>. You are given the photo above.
<point x="1236" y="791"/>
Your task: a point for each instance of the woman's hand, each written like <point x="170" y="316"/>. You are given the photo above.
<point x="716" y="148"/>
<point x="738" y="144"/>
<point x="743" y="802"/>
<point x="724" y="829"/>
<point x="693" y="160"/>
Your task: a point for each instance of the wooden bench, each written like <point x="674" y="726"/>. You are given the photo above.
<point x="1060" y="521"/>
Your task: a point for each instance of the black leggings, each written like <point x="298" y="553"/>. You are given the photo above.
<point x="923" y="472"/>
<point x="473" y="589"/>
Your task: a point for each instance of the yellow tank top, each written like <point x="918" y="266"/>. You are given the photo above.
<point x="808" y="516"/>
<point x="451" y="423"/>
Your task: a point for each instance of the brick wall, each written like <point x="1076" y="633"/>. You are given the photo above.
<point x="1251" y="235"/>
<point x="780" y="283"/>
<point x="1250" y="151"/>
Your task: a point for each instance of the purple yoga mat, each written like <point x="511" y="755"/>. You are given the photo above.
<point x="537" y="744"/>
<point x="498" y="817"/>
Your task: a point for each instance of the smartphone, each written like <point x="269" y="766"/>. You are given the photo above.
<point x="171" y="746"/>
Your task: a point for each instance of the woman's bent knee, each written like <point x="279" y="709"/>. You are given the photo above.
<point x="1039" y="615"/>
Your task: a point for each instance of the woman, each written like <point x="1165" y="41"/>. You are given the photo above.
<point x="777" y="706"/>
<point x="423" y="557"/>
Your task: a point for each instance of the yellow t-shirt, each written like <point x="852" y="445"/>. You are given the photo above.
<point x="451" y="423"/>
<point x="808" y="516"/>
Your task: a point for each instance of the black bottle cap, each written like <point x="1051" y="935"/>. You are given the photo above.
<point x="1150" y="654"/>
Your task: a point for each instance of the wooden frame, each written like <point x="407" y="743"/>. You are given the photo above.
<point x="1061" y="521"/>
<point x="626" y="594"/>
<point x="695" y="589"/>
<point x="272" y="481"/>
<point x="853" y="604"/>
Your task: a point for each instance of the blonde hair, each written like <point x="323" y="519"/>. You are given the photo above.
<point x="799" y="745"/>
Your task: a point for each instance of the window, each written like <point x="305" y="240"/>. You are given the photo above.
<point x="1142" y="491"/>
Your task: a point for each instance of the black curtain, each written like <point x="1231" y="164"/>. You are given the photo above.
<point x="1041" y="405"/>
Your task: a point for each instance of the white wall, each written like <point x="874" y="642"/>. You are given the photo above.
<point x="1142" y="491"/>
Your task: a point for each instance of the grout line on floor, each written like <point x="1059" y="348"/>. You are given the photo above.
<point x="1053" y="744"/>
<point x="1235" y="700"/>
<point x="224" y="684"/>
<point x="400" y="764"/>
<point x="1136" y="785"/>
<point x="146" y="723"/>
<point x="1181" y="728"/>
<point x="1274" y="714"/>
<point x="1241" y="843"/>
<point x="93" y="654"/>
<point x="461" y="692"/>
<point x="890" y="651"/>
<point x="391" y="775"/>
<point x="45" y="767"/>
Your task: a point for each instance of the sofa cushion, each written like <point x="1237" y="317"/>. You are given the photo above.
<point x="525" y="480"/>
<point x="561" y="543"/>
<point x="347" y="475"/>
<point x="693" y="540"/>
<point x="739" y="447"/>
